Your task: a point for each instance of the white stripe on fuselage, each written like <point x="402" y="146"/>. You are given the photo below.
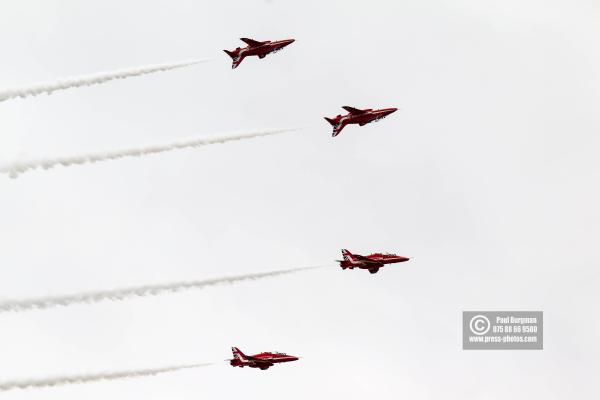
<point x="346" y="117"/>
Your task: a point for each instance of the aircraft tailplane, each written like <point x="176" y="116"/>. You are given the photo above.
<point x="331" y="121"/>
<point x="231" y="54"/>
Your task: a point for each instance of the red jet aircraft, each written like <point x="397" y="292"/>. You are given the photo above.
<point x="356" y="116"/>
<point x="261" y="360"/>
<point x="372" y="262"/>
<point x="256" y="48"/>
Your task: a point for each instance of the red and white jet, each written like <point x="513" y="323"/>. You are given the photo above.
<point x="357" y="116"/>
<point x="260" y="360"/>
<point x="372" y="262"/>
<point x="256" y="48"/>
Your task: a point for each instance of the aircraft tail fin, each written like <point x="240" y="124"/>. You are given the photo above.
<point x="235" y="57"/>
<point x="347" y="255"/>
<point x="336" y="126"/>
<point x="237" y="354"/>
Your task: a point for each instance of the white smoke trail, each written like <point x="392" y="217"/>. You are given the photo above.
<point x="17" y="168"/>
<point x="88" y="80"/>
<point x="103" y="376"/>
<point x="140" y="291"/>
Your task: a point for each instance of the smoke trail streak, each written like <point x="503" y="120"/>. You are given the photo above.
<point x="17" y="168"/>
<point x="141" y="291"/>
<point x="88" y="80"/>
<point x="77" y="379"/>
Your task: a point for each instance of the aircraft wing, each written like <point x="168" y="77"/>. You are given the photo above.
<point x="353" y="110"/>
<point x="251" y="42"/>
<point x="263" y="363"/>
<point x="366" y="260"/>
<point x="259" y="360"/>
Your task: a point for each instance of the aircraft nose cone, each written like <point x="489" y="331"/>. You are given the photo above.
<point x="391" y="110"/>
<point x="289" y="41"/>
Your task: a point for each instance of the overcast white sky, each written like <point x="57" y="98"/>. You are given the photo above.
<point x="487" y="178"/>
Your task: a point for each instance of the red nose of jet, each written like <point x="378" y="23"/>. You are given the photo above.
<point x="388" y="111"/>
<point x="287" y="41"/>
